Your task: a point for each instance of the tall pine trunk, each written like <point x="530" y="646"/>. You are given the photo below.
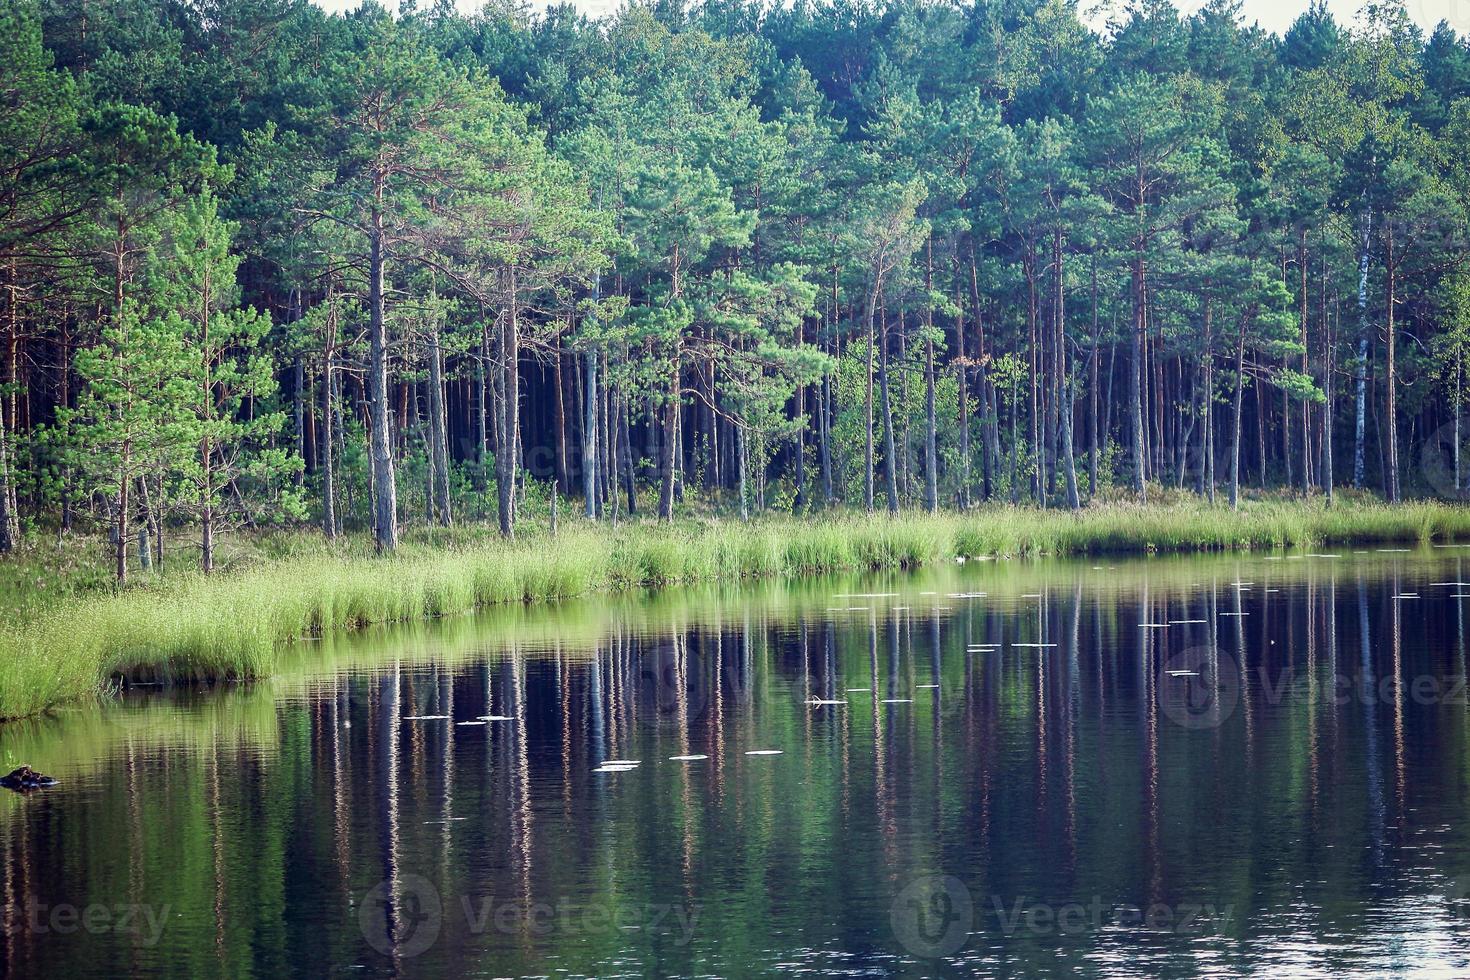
<point x="438" y="426"/>
<point x="1360" y="378"/>
<point x="890" y="468"/>
<point x="385" y="488"/>
<point x="1135" y="382"/>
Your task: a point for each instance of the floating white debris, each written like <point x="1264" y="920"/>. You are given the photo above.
<point x="1461" y="595"/>
<point x="857" y="608"/>
<point x="1186" y="622"/>
<point x="445" y="820"/>
<point x="1273" y="558"/>
<point x="1457" y="585"/>
<point x="622" y="762"/>
<point x="425" y="717"/>
<point x="1408" y="595"/>
<point x="1323" y="556"/>
<point x="610" y="768"/>
<point x="764" y="752"/>
<point x="898" y="701"/>
<point x="928" y="593"/>
<point x="469" y="724"/>
<point x="1183" y="673"/>
<point x="1034" y="646"/>
<point x="859" y="690"/>
<point x="1235" y="614"/>
<point x="959" y="559"/>
<point x="1392" y="551"/>
<point x="819" y="701"/>
<point x="1154" y="626"/>
<point x="687" y="758"/>
<point x="495" y="718"/>
<point x="1031" y="595"/>
<point x="1273" y="590"/>
<point x="926" y="687"/>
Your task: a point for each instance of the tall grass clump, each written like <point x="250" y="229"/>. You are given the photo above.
<point x="235" y="625"/>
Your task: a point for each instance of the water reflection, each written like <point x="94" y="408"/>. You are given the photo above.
<point x="1164" y="768"/>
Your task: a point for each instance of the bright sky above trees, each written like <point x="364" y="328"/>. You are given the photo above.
<point x="1274" y="15"/>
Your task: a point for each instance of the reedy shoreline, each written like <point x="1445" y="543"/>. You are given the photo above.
<point x="234" y="625"/>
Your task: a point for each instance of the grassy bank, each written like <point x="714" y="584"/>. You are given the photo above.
<point x="234" y="625"/>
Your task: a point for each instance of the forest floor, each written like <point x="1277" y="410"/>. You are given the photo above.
<point x="66" y="632"/>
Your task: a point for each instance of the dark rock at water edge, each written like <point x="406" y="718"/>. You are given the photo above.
<point x="25" y="779"/>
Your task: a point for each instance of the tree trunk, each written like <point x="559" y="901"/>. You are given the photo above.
<point x="740" y="465"/>
<point x="120" y="539"/>
<point x="1365" y="252"/>
<point x="328" y="464"/>
<point x="1235" y="422"/>
<point x="890" y="470"/>
<point x="1092" y="421"/>
<point x="298" y="408"/>
<point x="438" y="430"/>
<point x="963" y="393"/>
<point x="1306" y="370"/>
<point x="931" y="467"/>
<point x="1069" y="459"/>
<point x="589" y="434"/>
<point x="508" y="417"/>
<point x="7" y="519"/>
<point x="1135" y="382"/>
<point x="667" y="448"/>
<point x="1391" y="375"/>
<point x="385" y="489"/>
<point x="1328" y="382"/>
<point x="868" y="404"/>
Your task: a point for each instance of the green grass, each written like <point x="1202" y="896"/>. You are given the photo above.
<point x="235" y="625"/>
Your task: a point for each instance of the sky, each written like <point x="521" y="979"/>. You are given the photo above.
<point x="1274" y="15"/>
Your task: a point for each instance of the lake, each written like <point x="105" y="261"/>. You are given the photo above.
<point x="1168" y="767"/>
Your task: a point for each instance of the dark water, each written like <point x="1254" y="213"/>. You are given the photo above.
<point x="1161" y="768"/>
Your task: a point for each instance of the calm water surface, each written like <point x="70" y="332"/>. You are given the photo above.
<point x="1155" y="768"/>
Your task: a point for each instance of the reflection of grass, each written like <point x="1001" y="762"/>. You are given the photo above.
<point x="236" y="625"/>
<point x="81" y="741"/>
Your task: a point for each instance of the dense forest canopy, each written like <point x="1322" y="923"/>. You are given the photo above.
<point x="264" y="265"/>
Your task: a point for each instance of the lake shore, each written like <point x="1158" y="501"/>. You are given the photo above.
<point x="234" y="625"/>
